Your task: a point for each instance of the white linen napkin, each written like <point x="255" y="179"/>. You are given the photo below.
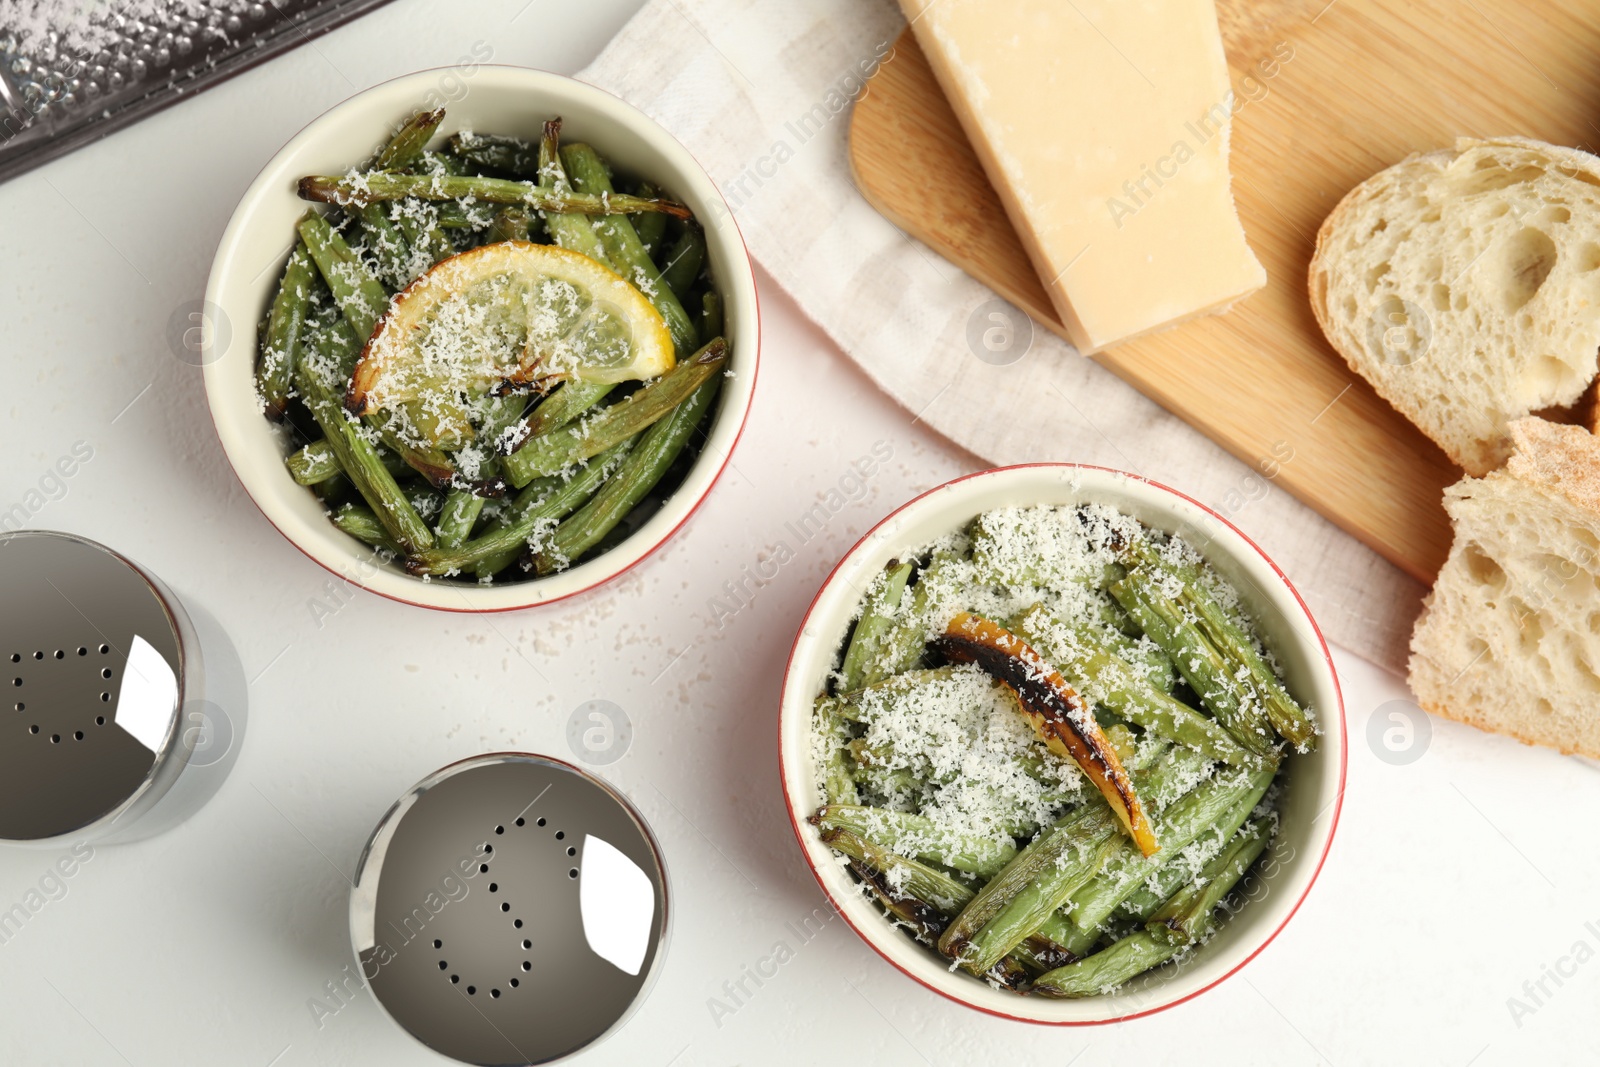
<point x="761" y="92"/>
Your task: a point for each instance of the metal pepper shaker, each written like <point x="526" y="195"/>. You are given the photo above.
<point x="113" y="727"/>
<point x="510" y="909"/>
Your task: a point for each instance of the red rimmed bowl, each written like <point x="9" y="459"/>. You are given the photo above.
<point x="244" y="275"/>
<point x="1313" y="784"/>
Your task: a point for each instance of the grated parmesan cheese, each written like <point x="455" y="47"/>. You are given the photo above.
<point x="957" y="748"/>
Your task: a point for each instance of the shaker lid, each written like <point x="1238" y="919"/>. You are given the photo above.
<point x="510" y="909"/>
<point x="92" y="669"/>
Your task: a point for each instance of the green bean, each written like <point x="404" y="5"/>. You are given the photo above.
<point x="458" y="516"/>
<point x="891" y="784"/>
<point x="1112" y="614"/>
<point x="449" y="215"/>
<point x="1188" y="915"/>
<point x="497" y="425"/>
<point x="569" y="400"/>
<point x="838" y="781"/>
<point x="551" y="499"/>
<point x="1114" y="683"/>
<point x="1066" y="853"/>
<point x="511" y="223"/>
<point x="373" y="186"/>
<point x="567" y="229"/>
<point x="361" y="522"/>
<point x="1090" y="842"/>
<point x="409" y="141"/>
<point x="1144" y="901"/>
<point x="390" y="252"/>
<point x="626" y="253"/>
<point x="360" y="296"/>
<point x="907" y="639"/>
<point x="1058" y="930"/>
<point x="360" y="461"/>
<point x="428" y="501"/>
<point x="1287" y="717"/>
<point x="863" y="659"/>
<point x="427" y="460"/>
<point x="1106" y="969"/>
<point x="1176" y="829"/>
<point x="509" y="154"/>
<point x="904" y="681"/>
<point x="917" y="835"/>
<point x="314" y="463"/>
<point x="333" y="489"/>
<point x="925" y="883"/>
<point x="652" y="227"/>
<point x="924" y="921"/>
<point x="1039" y="954"/>
<point x="1144" y="655"/>
<point x="1201" y="665"/>
<point x="658" y="449"/>
<point x="529" y="497"/>
<point x="641" y="410"/>
<point x="684" y="262"/>
<point x="433" y="162"/>
<point x="392" y="463"/>
<point x="493" y="563"/>
<point x="1186" y="918"/>
<point x="280" y="350"/>
<point x="711" y="324"/>
<point x="427" y="238"/>
<point x="501" y="427"/>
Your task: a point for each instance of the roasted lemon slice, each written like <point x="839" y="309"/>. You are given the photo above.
<point x="511" y="313"/>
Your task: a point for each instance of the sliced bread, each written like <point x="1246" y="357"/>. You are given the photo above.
<point x="1465" y="286"/>
<point x="1509" y="639"/>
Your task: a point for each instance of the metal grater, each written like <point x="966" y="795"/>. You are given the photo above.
<point x="105" y="697"/>
<point x="95" y="66"/>
<point x="510" y="909"/>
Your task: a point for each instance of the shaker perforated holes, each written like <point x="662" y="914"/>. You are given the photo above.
<point x="89" y="740"/>
<point x="494" y="888"/>
<point x="477" y="994"/>
<point x="58" y="687"/>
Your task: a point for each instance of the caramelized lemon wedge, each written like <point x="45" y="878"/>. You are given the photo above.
<point x="505" y="316"/>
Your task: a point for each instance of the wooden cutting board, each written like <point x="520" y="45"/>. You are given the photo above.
<point x="1369" y="82"/>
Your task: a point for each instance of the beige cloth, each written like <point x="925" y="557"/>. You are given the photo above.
<point x="760" y="92"/>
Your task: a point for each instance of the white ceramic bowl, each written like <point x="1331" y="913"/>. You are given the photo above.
<point x="493" y="99"/>
<point x="1314" y="783"/>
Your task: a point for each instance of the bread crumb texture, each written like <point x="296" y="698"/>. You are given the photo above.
<point x="1464" y="285"/>
<point x="1509" y="639"/>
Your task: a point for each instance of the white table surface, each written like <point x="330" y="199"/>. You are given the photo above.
<point x="1453" y="880"/>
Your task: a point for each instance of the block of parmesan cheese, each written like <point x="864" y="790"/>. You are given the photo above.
<point x="1103" y="125"/>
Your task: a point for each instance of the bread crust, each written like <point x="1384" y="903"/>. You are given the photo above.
<point x="1508" y="731"/>
<point x="1564" y="459"/>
